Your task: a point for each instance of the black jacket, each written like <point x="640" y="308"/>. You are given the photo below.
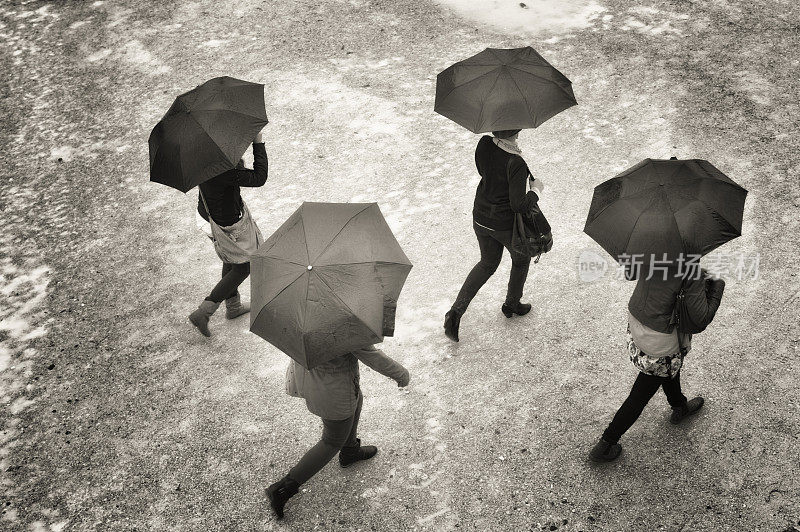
<point x="222" y="192"/>
<point x="653" y="300"/>
<point x="502" y="190"/>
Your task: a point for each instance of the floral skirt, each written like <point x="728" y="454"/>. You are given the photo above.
<point x="663" y="366"/>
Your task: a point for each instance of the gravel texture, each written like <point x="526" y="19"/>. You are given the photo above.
<point x="118" y="415"/>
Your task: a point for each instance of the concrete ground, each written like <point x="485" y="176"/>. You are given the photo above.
<point x="117" y="415"/>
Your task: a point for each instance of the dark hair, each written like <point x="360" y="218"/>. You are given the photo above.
<point x="505" y="133"/>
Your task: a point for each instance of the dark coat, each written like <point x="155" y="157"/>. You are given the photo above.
<point x="653" y="300"/>
<point x="503" y="186"/>
<point x="331" y="389"/>
<point x="222" y="192"/>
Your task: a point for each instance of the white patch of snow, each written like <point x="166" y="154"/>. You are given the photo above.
<point x="551" y="16"/>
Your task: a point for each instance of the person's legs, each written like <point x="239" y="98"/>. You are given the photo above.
<point x="672" y="389"/>
<point x="352" y="438"/>
<point x="644" y="387"/>
<point x="227" y="287"/>
<point x="353" y="451"/>
<point x="491" y="254"/>
<point x="334" y="436"/>
<point x="520" y="264"/>
<point x="681" y="407"/>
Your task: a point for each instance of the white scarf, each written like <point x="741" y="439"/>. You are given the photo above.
<point x="509" y="146"/>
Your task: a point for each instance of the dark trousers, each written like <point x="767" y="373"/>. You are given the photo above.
<point x="491" y="244"/>
<point x="232" y="276"/>
<point x="335" y="435"/>
<point x="644" y="388"/>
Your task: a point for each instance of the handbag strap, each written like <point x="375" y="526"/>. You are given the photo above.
<point x="677" y="314"/>
<point x="208" y="212"/>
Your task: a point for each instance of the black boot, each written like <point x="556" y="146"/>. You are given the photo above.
<point x="280" y="492"/>
<point x="604" y="451"/>
<point x="350" y="455"/>
<point x="520" y="309"/>
<point x="679" y="414"/>
<point x="451" y="322"/>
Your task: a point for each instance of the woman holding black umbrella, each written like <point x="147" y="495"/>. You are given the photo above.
<point x="200" y="141"/>
<point x="503" y="91"/>
<point x="220" y="198"/>
<point x="501" y="193"/>
<point x="662" y="216"/>
<point x="657" y="350"/>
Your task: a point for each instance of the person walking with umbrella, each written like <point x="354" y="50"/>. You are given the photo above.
<point x="220" y="200"/>
<point x="325" y="287"/>
<point x="662" y="216"/>
<point x="501" y="193"/>
<point x="332" y="392"/>
<point x="502" y="91"/>
<point x="200" y="142"/>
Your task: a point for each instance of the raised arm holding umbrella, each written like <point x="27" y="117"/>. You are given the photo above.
<point x="502" y="91"/>
<point x="658" y="218"/>
<point x="200" y="142"/>
<point x="324" y="287"/>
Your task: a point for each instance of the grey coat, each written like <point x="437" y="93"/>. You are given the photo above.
<point x="331" y="389"/>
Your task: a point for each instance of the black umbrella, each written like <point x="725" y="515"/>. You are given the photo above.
<point x="678" y="207"/>
<point x="206" y="131"/>
<point x="502" y="88"/>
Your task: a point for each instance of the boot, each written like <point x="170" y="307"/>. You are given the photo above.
<point x="200" y="317"/>
<point x="681" y="413"/>
<point x="280" y="492"/>
<point x="350" y="455"/>
<point x="520" y="309"/>
<point x="234" y="307"/>
<point x="604" y="451"/>
<point x="451" y="322"/>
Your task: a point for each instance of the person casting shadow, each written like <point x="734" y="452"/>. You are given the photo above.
<point x="221" y="195"/>
<point x="501" y="193"/>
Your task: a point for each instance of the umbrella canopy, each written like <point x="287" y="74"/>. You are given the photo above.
<point x="677" y="207"/>
<point x="206" y="131"/>
<point x="321" y="281"/>
<point x="500" y="89"/>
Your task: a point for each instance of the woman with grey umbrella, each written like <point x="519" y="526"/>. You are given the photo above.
<point x="501" y="193"/>
<point x="332" y="392"/>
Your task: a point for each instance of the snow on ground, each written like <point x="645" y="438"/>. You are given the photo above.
<point x="534" y="16"/>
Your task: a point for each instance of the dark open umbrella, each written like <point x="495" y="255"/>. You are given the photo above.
<point x="321" y="282"/>
<point x="502" y="89"/>
<point x="206" y="131"/>
<point x="677" y="207"/>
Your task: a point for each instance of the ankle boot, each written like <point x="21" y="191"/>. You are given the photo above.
<point x="520" y="309"/>
<point x="452" y="320"/>
<point x="350" y="455"/>
<point x="234" y="307"/>
<point x="681" y="413"/>
<point x="604" y="451"/>
<point x="280" y="492"/>
<point x="200" y="317"/>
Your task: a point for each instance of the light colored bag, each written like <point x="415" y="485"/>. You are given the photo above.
<point x="235" y="243"/>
